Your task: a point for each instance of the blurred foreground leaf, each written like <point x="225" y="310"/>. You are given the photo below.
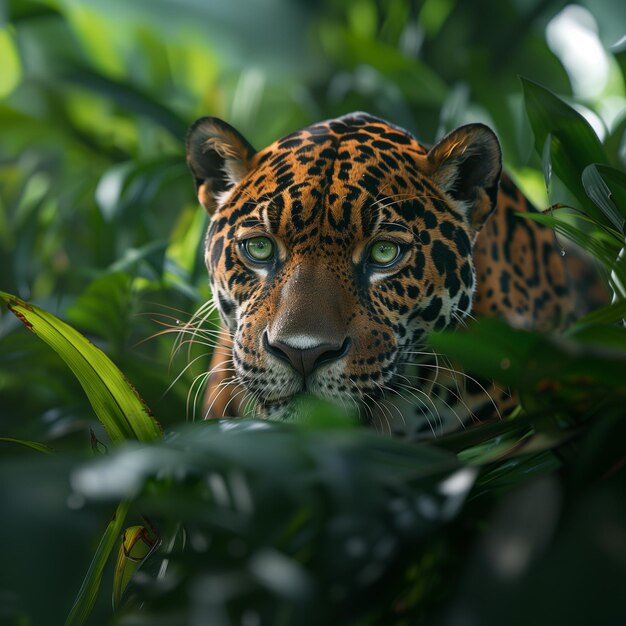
<point x="550" y="371"/>
<point x="278" y="519"/>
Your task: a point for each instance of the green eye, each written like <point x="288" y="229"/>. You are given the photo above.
<point x="384" y="252"/>
<point x="259" y="248"/>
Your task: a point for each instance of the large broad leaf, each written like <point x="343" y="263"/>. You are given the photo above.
<point x="564" y="135"/>
<point x="268" y="506"/>
<point x="117" y="405"/>
<point x="552" y="371"/>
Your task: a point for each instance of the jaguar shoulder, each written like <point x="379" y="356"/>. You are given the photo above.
<point x="333" y="253"/>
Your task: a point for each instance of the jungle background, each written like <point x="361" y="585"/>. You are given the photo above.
<point x="270" y="524"/>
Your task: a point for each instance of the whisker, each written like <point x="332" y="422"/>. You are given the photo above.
<point x="201" y="381"/>
<point x="454" y="372"/>
<point x="221" y="387"/>
<point x="182" y="373"/>
<point x="426" y="416"/>
<point x="235" y="395"/>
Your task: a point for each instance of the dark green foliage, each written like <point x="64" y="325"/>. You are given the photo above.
<point x="288" y="524"/>
<point x="521" y="521"/>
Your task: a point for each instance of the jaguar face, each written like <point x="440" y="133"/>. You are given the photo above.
<point x="333" y="252"/>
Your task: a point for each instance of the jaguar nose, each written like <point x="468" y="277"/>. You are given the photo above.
<point x="305" y="360"/>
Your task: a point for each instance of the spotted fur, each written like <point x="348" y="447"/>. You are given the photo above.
<point x="320" y="317"/>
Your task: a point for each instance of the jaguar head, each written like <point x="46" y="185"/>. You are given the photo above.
<point x="333" y="252"/>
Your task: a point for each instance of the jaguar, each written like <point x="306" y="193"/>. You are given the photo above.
<point x="336" y="250"/>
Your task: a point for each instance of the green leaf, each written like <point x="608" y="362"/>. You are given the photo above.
<point x="297" y="493"/>
<point x="186" y="238"/>
<point x="548" y="367"/>
<point x="104" y="308"/>
<point x="611" y="337"/>
<point x="116" y="403"/>
<point x="548" y="113"/>
<point x="35" y="445"/>
<point x="11" y="74"/>
<point x="91" y="583"/>
<point x="565" y="134"/>
<point x="606" y="315"/>
<point x="603" y="244"/>
<point x="614" y="141"/>
<point x="546" y="160"/>
<point x="126" y="186"/>
<point x="389" y="65"/>
<point x="128" y="96"/>
<point x="475" y="445"/>
<point x="516" y="471"/>
<point x="606" y="186"/>
<point x="110" y="188"/>
<point x="137" y="542"/>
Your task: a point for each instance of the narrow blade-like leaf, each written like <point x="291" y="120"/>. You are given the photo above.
<point x="606" y="315"/>
<point x="35" y="445"/>
<point x="137" y="543"/>
<point x="91" y="584"/>
<point x="117" y="405"/>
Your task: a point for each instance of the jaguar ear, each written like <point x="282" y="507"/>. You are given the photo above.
<point x="467" y="164"/>
<point x="218" y="158"/>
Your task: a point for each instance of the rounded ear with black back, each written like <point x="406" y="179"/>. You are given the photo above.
<point x="467" y="164"/>
<point x="218" y="157"/>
